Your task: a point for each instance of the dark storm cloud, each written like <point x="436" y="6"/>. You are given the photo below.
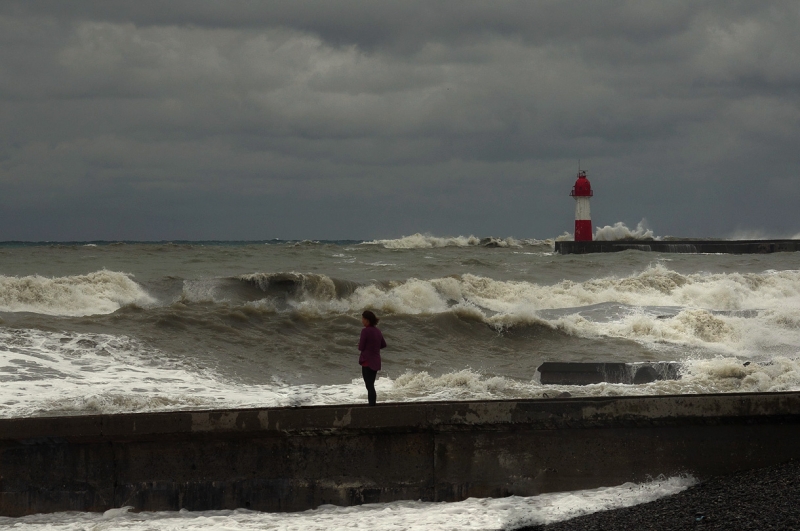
<point x="385" y="24"/>
<point x="359" y="119"/>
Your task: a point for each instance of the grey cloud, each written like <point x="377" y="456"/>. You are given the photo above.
<point x="378" y="24"/>
<point x="462" y="116"/>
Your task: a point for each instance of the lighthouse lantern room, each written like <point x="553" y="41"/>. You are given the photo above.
<point x="582" y="191"/>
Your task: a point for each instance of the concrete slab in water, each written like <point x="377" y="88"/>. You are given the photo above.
<point x="567" y="373"/>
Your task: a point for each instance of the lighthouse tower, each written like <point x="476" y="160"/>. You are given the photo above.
<point x="582" y="191"/>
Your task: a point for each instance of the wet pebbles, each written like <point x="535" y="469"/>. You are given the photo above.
<point x="758" y="500"/>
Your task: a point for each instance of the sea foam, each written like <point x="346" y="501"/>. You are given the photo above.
<point x="427" y="241"/>
<point x="47" y="373"/>
<point x="743" y="313"/>
<point x="100" y="292"/>
<point x="656" y="285"/>
<point x="620" y="231"/>
<point x="485" y="514"/>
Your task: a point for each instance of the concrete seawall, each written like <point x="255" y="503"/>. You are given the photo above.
<point x="680" y="246"/>
<point x="286" y="459"/>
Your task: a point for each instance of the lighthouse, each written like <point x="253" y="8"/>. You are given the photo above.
<point x="582" y="192"/>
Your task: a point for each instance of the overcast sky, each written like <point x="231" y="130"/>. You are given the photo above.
<point x="360" y="119"/>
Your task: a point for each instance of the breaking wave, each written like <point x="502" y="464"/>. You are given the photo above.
<point x="100" y="292"/>
<point x="654" y="286"/>
<point x="721" y="374"/>
<point x="730" y="313"/>
<point x="733" y="311"/>
<point x="620" y="231"/>
<point x="426" y="241"/>
<point x="617" y="231"/>
<point x="300" y="286"/>
<point x="100" y="373"/>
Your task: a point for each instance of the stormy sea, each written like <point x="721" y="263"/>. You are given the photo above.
<point x="112" y="327"/>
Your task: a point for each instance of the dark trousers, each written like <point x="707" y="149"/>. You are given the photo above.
<point x="369" y="380"/>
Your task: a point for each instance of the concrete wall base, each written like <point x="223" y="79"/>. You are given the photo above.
<point x="288" y="459"/>
<point x="679" y="246"/>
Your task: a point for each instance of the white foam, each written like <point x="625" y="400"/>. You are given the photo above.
<point x="655" y="286"/>
<point x="202" y="290"/>
<point x="759" y="234"/>
<point x="719" y="374"/>
<point x="46" y="373"/>
<point x="458" y="385"/>
<point x="772" y="297"/>
<point x="427" y="241"/>
<point x="100" y="292"/>
<point x="474" y="513"/>
<point x="620" y="231"/>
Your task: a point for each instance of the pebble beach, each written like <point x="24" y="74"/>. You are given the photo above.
<point x="757" y="500"/>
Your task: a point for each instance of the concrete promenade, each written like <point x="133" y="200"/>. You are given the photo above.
<point x="287" y="459"/>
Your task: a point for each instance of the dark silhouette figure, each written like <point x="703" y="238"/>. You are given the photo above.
<point x="370" y="345"/>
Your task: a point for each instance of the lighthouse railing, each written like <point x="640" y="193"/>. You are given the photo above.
<point x="573" y="193"/>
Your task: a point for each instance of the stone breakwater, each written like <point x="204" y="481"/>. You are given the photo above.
<point x="680" y="246"/>
<point x="287" y="459"/>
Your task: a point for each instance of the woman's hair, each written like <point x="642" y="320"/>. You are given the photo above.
<point x="371" y="317"/>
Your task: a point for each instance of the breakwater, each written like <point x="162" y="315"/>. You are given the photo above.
<point x="679" y="246"/>
<point x="287" y="459"/>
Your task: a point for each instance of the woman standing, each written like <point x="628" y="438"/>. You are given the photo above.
<point x="370" y="345"/>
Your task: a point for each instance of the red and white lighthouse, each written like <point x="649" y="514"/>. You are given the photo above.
<point x="582" y="191"/>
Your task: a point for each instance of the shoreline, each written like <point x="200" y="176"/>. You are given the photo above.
<point x="758" y="500"/>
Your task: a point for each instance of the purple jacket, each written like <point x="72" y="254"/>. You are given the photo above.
<point x="370" y="345"/>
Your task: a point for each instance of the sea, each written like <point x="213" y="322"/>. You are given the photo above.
<point x="113" y="327"/>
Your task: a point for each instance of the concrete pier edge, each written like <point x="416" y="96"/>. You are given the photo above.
<point x="295" y="458"/>
<point x="679" y="246"/>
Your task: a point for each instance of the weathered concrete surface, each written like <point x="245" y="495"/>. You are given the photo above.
<point x="582" y="373"/>
<point x="680" y="246"/>
<point x="285" y="459"/>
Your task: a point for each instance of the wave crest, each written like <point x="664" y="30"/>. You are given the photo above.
<point x="725" y="310"/>
<point x="426" y="241"/>
<point x="620" y="231"/>
<point x="101" y="292"/>
<point x="301" y="286"/>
